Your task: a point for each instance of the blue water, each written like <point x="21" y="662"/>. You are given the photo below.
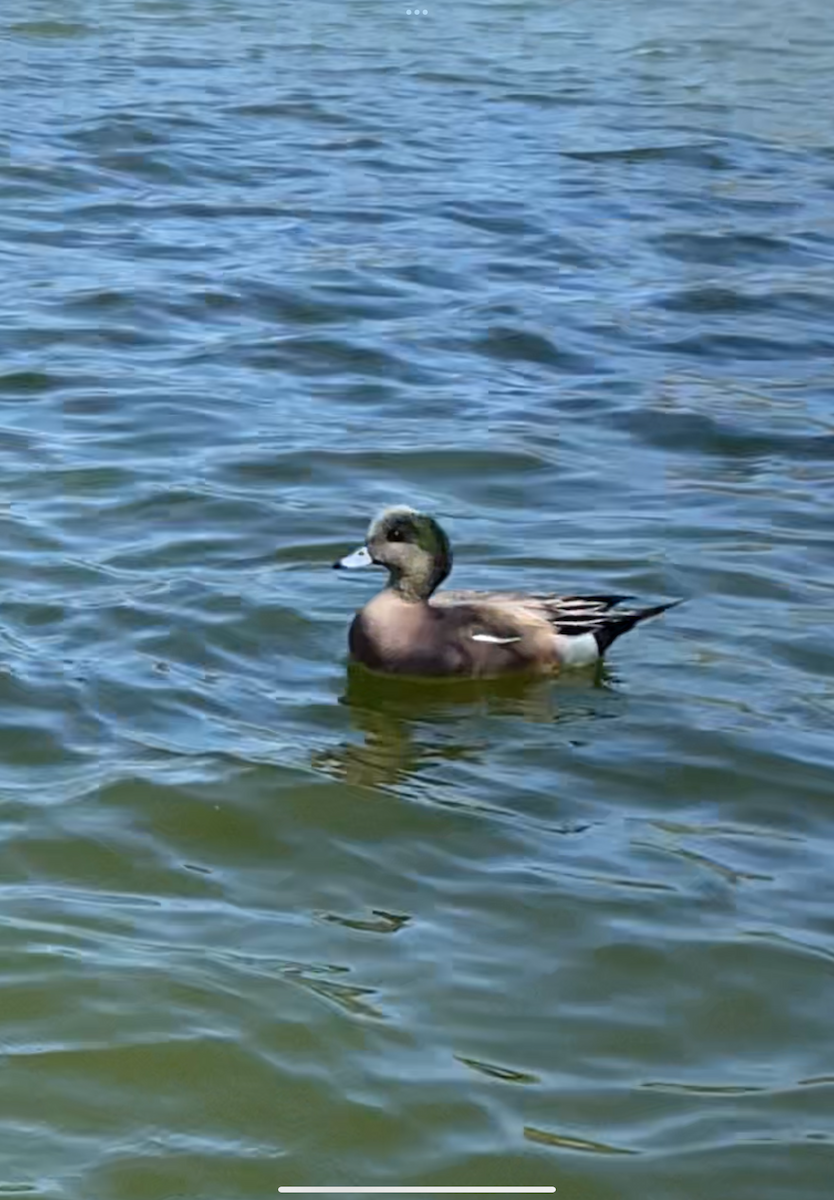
<point x="561" y="274"/>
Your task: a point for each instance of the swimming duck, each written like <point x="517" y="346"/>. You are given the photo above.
<point x="410" y="628"/>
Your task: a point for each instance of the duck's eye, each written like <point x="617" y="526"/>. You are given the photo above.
<point x="396" y="535"/>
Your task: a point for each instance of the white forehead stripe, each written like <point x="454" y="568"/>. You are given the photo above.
<point x="396" y="510"/>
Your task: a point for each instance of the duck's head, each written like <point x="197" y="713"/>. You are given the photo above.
<point x="413" y="548"/>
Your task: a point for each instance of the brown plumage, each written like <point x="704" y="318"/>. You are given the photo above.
<point x="411" y="629"/>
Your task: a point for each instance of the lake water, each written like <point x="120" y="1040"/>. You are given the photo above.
<point x="562" y="274"/>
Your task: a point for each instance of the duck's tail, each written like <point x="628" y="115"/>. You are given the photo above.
<point x="616" y="624"/>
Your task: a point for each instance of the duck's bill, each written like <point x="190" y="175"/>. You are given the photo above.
<point x="352" y="562"/>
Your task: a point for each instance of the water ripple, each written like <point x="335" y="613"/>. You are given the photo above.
<point x="562" y="275"/>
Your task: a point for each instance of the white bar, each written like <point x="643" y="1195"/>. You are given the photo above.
<point x="383" y="1191"/>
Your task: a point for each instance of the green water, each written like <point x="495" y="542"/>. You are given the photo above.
<point x="562" y="274"/>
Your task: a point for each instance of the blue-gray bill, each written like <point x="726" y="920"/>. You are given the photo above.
<point x="352" y="562"/>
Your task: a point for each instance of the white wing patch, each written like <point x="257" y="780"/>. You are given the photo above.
<point x="579" y="650"/>
<point x="496" y="641"/>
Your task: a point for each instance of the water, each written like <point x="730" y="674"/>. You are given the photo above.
<point x="563" y="275"/>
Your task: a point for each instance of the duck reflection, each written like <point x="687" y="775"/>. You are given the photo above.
<point x="409" y="725"/>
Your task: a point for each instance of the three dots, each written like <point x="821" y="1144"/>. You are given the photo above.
<point x="416" y="12"/>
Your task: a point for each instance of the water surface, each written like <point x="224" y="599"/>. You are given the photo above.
<point x="563" y="275"/>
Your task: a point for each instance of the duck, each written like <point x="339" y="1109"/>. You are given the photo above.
<point x="412" y="629"/>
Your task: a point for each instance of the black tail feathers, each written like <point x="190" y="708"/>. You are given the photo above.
<point x="619" y="623"/>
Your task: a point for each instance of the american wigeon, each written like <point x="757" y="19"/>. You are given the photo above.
<point x="411" y="629"/>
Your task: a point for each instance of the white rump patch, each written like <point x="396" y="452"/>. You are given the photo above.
<point x="578" y="651"/>
<point x="496" y="641"/>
